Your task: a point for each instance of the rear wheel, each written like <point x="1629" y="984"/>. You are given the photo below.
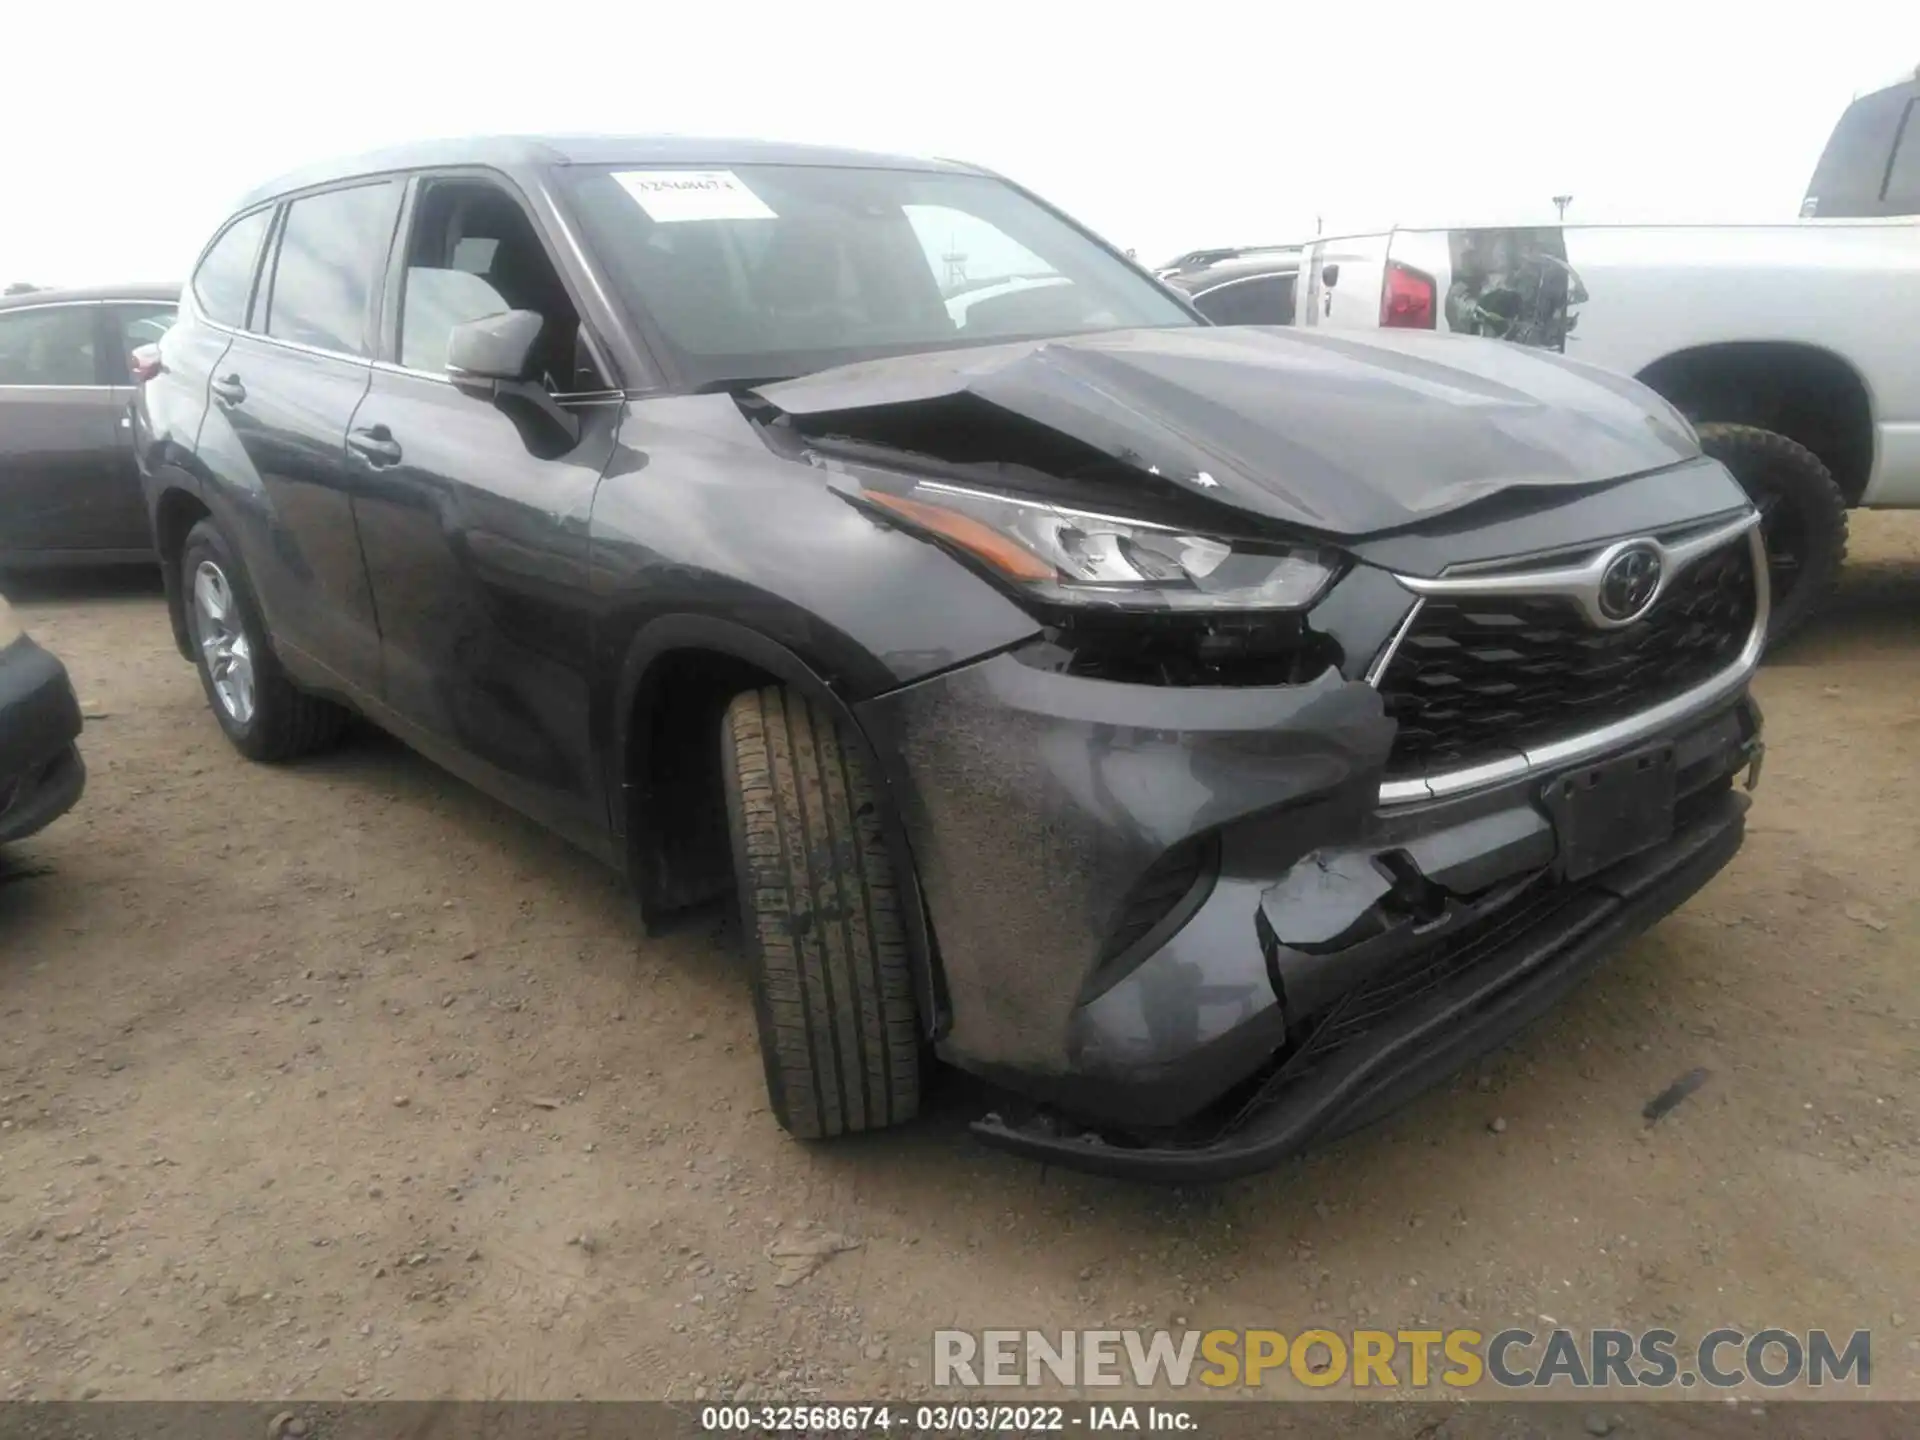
<point x="819" y="906"/>
<point x="264" y="714"/>
<point x="1803" y="516"/>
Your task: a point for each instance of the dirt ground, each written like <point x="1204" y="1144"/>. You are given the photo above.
<point x="342" y="1080"/>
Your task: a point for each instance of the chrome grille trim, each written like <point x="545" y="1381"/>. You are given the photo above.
<point x="1581" y="584"/>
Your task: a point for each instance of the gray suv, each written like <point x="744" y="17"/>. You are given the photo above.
<point x="1213" y="734"/>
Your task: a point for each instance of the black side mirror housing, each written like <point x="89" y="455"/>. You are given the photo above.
<point x="494" y="356"/>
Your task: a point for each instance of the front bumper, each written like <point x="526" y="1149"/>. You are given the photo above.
<point x="41" y="774"/>
<point x="1156" y="909"/>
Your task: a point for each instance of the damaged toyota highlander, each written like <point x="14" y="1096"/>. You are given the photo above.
<point x="1212" y="736"/>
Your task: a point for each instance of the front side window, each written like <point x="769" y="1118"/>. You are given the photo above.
<point x="474" y="252"/>
<point x="51" y="345"/>
<point x="332" y="245"/>
<point x="765" y="271"/>
<point x="224" y="281"/>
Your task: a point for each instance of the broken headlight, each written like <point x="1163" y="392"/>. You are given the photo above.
<point x="1082" y="558"/>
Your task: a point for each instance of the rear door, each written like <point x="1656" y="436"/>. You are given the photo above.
<point x="1342" y="280"/>
<point x="58" y="437"/>
<point x="282" y="397"/>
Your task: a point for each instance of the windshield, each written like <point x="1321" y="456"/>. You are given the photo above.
<point x="768" y="271"/>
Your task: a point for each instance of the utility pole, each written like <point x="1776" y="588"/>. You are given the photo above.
<point x="1560" y="203"/>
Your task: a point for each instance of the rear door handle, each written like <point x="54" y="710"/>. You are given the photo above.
<point x="375" y="444"/>
<point x="229" y="389"/>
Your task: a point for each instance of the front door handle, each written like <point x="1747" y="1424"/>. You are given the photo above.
<point x="375" y="445"/>
<point x="229" y="389"/>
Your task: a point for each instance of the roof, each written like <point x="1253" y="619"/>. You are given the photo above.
<point x="146" y="290"/>
<point x="509" y="152"/>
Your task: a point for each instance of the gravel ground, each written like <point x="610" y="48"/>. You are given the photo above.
<point x="341" y="1080"/>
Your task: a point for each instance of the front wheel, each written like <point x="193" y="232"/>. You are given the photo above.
<point x="264" y="714"/>
<point x="819" y="908"/>
<point x="1803" y="516"/>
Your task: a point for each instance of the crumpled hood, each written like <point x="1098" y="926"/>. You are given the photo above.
<point x="1346" y="434"/>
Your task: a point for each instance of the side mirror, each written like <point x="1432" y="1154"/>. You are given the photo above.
<point x="494" y="347"/>
<point x="494" y="355"/>
<point x="1330" y="275"/>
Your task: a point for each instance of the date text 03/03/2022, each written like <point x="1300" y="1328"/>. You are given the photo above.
<point x="943" y="1419"/>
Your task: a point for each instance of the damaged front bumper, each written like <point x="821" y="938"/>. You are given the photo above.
<point x="1183" y="926"/>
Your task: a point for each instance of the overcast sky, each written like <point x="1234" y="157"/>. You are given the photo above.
<point x="126" y="130"/>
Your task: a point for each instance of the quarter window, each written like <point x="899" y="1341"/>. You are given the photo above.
<point x="331" y="247"/>
<point x="224" y="281"/>
<point x="52" y="345"/>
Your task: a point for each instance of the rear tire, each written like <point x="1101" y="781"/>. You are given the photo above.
<point x="264" y="714"/>
<point x="1803" y="517"/>
<point x="819" y="909"/>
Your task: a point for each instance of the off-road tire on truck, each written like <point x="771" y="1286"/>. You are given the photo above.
<point x="1803" y="516"/>
<point x="286" y="722"/>
<point x="819" y="911"/>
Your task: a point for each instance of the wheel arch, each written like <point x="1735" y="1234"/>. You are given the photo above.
<point x="665" y="792"/>
<point x="177" y="508"/>
<point x="1808" y="393"/>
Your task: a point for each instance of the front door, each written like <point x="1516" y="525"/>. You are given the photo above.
<point x="476" y="533"/>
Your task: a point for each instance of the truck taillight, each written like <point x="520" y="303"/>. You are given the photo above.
<point x="1407" y="300"/>
<point x="145" y="363"/>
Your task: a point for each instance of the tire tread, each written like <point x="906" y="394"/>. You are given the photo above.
<point x="820" y="912"/>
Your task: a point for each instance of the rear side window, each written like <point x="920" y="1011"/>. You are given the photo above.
<point x="51" y="345"/>
<point x="224" y="280"/>
<point x="1263" y="300"/>
<point x="1902" y="193"/>
<point x="331" y="247"/>
<point x="1856" y="173"/>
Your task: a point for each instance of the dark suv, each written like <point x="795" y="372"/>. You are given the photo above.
<point x="1213" y="734"/>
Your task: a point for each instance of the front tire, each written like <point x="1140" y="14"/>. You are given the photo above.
<point x="264" y="714"/>
<point x="819" y="908"/>
<point x="1803" y="516"/>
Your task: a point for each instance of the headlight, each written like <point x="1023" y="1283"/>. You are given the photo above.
<point x="1082" y="558"/>
<point x="10" y="630"/>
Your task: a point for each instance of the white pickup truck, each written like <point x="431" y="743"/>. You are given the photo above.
<point x="1794" y="348"/>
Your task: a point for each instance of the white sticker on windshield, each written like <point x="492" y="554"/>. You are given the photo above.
<point x="669" y="195"/>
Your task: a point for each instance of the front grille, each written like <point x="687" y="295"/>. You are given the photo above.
<point x="1478" y="676"/>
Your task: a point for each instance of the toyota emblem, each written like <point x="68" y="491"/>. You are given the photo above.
<point x="1630" y="581"/>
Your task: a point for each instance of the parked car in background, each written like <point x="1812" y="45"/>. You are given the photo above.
<point x="1789" y="346"/>
<point x="1215" y="735"/>
<point x="69" y="487"/>
<point x="41" y="774"/>
<point x="1239" y="287"/>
